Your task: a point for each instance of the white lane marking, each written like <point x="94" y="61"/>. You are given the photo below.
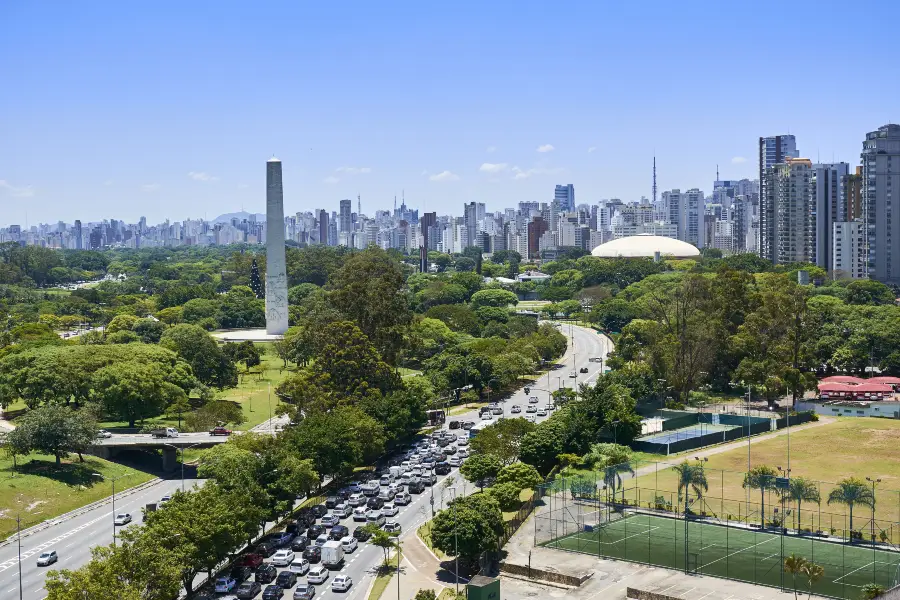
<point x="40" y="548"/>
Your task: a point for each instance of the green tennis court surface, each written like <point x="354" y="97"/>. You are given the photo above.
<point x="735" y="553"/>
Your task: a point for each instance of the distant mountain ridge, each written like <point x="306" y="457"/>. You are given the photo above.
<point x="240" y="216"/>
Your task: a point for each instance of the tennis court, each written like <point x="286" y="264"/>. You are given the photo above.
<point x="734" y="552"/>
<point x="684" y="433"/>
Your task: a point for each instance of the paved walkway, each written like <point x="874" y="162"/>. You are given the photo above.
<point x="419" y="570"/>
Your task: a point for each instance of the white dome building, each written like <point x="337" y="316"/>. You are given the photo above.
<point x="645" y="245"/>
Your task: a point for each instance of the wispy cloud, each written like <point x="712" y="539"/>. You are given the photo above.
<point x="492" y="167"/>
<point x="444" y="176"/>
<point x="330" y="179"/>
<point x="353" y="170"/>
<point x="150" y="187"/>
<point x="491" y="148"/>
<point x="546" y="148"/>
<point x="738" y="160"/>
<point x="202" y="176"/>
<point x="592" y="149"/>
<point x="520" y="173"/>
<point x="17" y="191"/>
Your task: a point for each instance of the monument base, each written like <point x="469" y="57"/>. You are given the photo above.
<point x="245" y="335"/>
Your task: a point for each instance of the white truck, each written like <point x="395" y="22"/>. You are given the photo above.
<point x="164" y="432"/>
<point x="332" y="554"/>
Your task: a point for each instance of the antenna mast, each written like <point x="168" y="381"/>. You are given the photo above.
<point x="654" y="180"/>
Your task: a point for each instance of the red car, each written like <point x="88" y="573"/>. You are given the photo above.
<point x="252" y="560"/>
<point x="219" y="431"/>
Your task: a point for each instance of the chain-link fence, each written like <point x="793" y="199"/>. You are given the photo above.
<point x="708" y="521"/>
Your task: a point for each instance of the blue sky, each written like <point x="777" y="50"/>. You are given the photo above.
<point x="170" y="109"/>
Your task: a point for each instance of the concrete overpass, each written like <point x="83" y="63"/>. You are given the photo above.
<point x="109" y="447"/>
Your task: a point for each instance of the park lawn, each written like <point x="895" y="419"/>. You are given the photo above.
<point x="405" y="372"/>
<point x="531" y="304"/>
<point x="255" y="391"/>
<point x="848" y="447"/>
<point x="424" y="533"/>
<point x="39" y="490"/>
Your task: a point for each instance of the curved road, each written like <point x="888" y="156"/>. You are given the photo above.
<point x="73" y="538"/>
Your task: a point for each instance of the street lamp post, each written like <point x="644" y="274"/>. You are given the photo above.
<point x="113" y="480"/>
<point x="19" y="542"/>
<point x="181" y="450"/>
<point x="615" y="425"/>
<point x="455" y="540"/>
<point x="873" y="482"/>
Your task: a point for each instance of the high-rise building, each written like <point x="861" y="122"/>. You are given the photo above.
<point x="345" y="222"/>
<point x="851" y="208"/>
<point x="787" y="193"/>
<point x="79" y="242"/>
<point x="686" y="210"/>
<point x="427" y="223"/>
<point x="773" y="150"/>
<point x="848" y="260"/>
<point x="323" y="227"/>
<point x="471" y="222"/>
<point x="536" y="229"/>
<point x="880" y="160"/>
<point x="565" y="197"/>
<point x="826" y="190"/>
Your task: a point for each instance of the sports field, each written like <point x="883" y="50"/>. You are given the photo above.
<point x="734" y="553"/>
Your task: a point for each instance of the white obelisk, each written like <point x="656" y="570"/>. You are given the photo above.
<point x="276" y="278"/>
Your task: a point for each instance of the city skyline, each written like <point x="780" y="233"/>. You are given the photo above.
<point x="106" y="121"/>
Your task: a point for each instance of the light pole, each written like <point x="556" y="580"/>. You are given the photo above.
<point x="615" y="426"/>
<point x="113" y="480"/>
<point x="19" y="542"/>
<point x="873" y="482"/>
<point x="455" y="539"/>
<point x="181" y="449"/>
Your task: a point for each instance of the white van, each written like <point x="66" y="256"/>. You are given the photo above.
<point x="403" y="498"/>
<point x="375" y="517"/>
<point x="300" y="566"/>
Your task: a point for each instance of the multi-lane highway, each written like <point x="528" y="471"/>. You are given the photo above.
<point x="73" y="538"/>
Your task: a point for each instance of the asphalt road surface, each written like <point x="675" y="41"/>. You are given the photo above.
<point x="73" y="539"/>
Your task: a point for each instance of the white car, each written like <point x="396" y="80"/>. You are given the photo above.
<point x="47" y="558"/>
<point x="359" y="513"/>
<point x="356" y="500"/>
<point x="299" y="566"/>
<point x="516" y="409"/>
<point x="225" y="585"/>
<point x="349" y="543"/>
<point x="318" y="574"/>
<point x="402" y="498"/>
<point x="542" y="413"/>
<point x="462" y="442"/>
<point x="321" y="540"/>
<point x="283" y="557"/>
<point x="529" y="418"/>
<point x="341" y="583"/>
<point x="463" y="453"/>
<point x="454" y="461"/>
<point x="164" y="499"/>
<point x="390" y="509"/>
<point x="342" y="510"/>
<point x="533" y="400"/>
<point x="122" y="519"/>
<point x="487" y="416"/>
<point x="104" y="434"/>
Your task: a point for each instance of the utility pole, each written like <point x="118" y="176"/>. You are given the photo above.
<point x="19" y="541"/>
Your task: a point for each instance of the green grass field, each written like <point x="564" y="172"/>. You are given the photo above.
<point x="39" y="489"/>
<point x="735" y="553"/>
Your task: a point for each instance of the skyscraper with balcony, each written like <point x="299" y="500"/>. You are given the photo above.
<point x="880" y="160"/>
<point x="773" y="150"/>
<point x="793" y="218"/>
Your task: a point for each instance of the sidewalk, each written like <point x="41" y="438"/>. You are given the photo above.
<point x="419" y="570"/>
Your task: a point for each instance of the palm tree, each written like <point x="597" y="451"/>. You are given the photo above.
<point x="850" y="492"/>
<point x="690" y="477"/>
<point x="813" y="574"/>
<point x="761" y="478"/>
<point x="613" y="479"/>
<point x="794" y="564"/>
<point x="802" y="490"/>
